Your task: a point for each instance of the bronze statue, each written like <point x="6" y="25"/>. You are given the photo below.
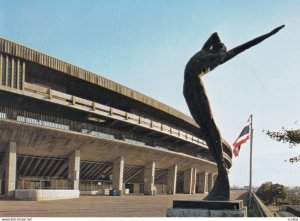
<point x="212" y="54"/>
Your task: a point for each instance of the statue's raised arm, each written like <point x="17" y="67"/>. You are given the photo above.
<point x="214" y="39"/>
<point x="235" y="51"/>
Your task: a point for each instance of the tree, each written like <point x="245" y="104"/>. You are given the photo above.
<point x="290" y="136"/>
<point x="278" y="193"/>
<point x="272" y="193"/>
<point x="294" y="199"/>
<point x="263" y="192"/>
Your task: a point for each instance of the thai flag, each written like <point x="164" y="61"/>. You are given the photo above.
<point x="243" y="137"/>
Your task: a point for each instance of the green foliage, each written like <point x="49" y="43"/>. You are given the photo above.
<point x="290" y="136"/>
<point x="294" y="199"/>
<point x="263" y="192"/>
<point x="278" y="193"/>
<point x="294" y="159"/>
<point x="272" y="193"/>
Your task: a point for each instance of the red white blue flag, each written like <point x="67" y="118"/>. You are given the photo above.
<point x="243" y="137"/>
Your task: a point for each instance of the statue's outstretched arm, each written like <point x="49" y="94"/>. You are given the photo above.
<point x="235" y="51"/>
<point x="213" y="39"/>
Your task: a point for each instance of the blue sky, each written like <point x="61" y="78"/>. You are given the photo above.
<point x="146" y="44"/>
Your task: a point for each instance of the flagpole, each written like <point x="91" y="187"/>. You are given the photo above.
<point x="251" y="144"/>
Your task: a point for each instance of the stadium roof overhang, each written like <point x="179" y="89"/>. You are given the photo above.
<point x="41" y="141"/>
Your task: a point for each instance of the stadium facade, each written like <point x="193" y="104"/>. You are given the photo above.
<point x="65" y="131"/>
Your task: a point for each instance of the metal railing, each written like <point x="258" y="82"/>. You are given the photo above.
<point x="293" y="209"/>
<point x="42" y="183"/>
<point x="259" y="209"/>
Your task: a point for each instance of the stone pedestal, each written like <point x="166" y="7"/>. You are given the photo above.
<point x="205" y="208"/>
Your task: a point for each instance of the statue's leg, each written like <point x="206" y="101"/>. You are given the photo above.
<point x="199" y="106"/>
<point x="221" y="188"/>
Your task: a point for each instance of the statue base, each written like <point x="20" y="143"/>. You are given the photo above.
<point x="207" y="208"/>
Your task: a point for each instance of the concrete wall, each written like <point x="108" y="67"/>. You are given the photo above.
<point x="39" y="195"/>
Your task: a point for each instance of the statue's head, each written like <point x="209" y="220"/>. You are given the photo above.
<point x="218" y="47"/>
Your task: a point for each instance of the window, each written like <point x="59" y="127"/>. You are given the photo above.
<point x="12" y="72"/>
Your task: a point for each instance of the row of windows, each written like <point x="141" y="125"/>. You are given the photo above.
<point x="3" y="115"/>
<point x="42" y="123"/>
<point x="11" y="72"/>
<point x="37" y="122"/>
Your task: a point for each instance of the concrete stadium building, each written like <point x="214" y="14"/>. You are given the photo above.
<point x="65" y="131"/>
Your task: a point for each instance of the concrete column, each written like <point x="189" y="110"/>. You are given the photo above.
<point x="171" y="180"/>
<point x="149" y="175"/>
<point x="2" y="174"/>
<point x="210" y="182"/>
<point x="118" y="173"/>
<point x="187" y="181"/>
<point x="74" y="169"/>
<point x="136" y="188"/>
<point x="11" y="169"/>
<point x="202" y="182"/>
<point x="194" y="180"/>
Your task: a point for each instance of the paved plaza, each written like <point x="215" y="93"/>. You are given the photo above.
<point x="98" y="206"/>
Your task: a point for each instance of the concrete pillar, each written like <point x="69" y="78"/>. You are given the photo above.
<point x="187" y="181"/>
<point x="74" y="169"/>
<point x="136" y="188"/>
<point x="171" y="179"/>
<point x="149" y="175"/>
<point x="118" y="173"/>
<point x="11" y="169"/>
<point x="202" y="182"/>
<point x="2" y="175"/>
<point x="210" y="182"/>
<point x="194" y="179"/>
